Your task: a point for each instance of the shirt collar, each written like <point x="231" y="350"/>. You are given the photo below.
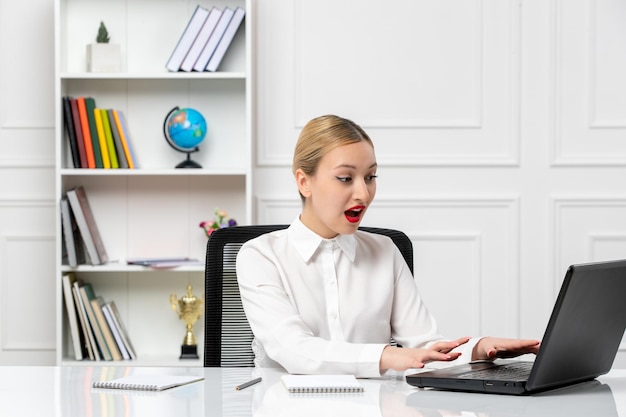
<point x="307" y="241"/>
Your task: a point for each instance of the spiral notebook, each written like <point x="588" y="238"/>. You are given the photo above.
<point x="321" y="383"/>
<point x="147" y="382"/>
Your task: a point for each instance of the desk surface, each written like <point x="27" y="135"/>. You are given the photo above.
<point x="66" y="392"/>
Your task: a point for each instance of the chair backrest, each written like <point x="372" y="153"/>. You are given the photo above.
<point x="227" y="334"/>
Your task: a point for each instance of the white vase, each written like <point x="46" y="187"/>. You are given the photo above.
<point x="103" y="57"/>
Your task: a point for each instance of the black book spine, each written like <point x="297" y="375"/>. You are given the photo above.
<point x="69" y="127"/>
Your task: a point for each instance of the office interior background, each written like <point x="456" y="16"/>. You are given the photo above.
<point x="499" y="128"/>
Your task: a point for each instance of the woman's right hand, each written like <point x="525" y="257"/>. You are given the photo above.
<point x="401" y="359"/>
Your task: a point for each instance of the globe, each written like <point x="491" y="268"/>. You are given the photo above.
<point x="184" y="130"/>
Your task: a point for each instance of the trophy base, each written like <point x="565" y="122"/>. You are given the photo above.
<point x="189" y="352"/>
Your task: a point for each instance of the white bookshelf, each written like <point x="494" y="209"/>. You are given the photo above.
<point x="154" y="210"/>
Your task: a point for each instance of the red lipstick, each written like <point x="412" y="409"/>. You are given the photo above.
<point x="353" y="214"/>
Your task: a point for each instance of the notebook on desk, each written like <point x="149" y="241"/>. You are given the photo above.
<point x="580" y="342"/>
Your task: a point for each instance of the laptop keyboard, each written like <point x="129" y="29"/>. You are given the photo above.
<point x="510" y="371"/>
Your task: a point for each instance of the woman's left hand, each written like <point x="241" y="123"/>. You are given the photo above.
<point x="493" y="347"/>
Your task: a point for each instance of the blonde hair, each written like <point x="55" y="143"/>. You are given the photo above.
<point x="320" y="136"/>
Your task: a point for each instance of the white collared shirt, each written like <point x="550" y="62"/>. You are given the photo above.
<point x="329" y="305"/>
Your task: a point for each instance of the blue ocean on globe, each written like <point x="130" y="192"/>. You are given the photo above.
<point x="186" y="128"/>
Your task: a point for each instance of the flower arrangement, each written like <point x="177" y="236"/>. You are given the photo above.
<point x="221" y="220"/>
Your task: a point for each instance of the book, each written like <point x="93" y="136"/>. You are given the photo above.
<point x="106" y="124"/>
<point x="84" y="124"/>
<point x="69" y="128"/>
<point x="87" y="225"/>
<point x="78" y="131"/>
<point x="89" y="339"/>
<point x="102" y="140"/>
<point x="162" y="262"/>
<point x="90" y="104"/>
<point x="201" y="39"/>
<point x="123" y="139"/>
<point x="71" y="235"/>
<point x="96" y="304"/>
<point x="116" y="330"/>
<point x="117" y="140"/>
<point x="321" y="383"/>
<point x="124" y="333"/>
<point x="72" y="315"/>
<point x="68" y="233"/>
<point x="87" y="294"/>
<point x="126" y="133"/>
<point x="190" y="33"/>
<point x="226" y="40"/>
<point x="214" y="39"/>
<point x="148" y="382"/>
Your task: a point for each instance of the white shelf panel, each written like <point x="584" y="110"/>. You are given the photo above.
<point x="227" y="75"/>
<point x="73" y="172"/>
<point x="169" y="361"/>
<point x="119" y="267"/>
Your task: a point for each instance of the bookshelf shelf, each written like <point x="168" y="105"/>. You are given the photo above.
<point x="161" y="75"/>
<point x="120" y="267"/>
<point x="159" y="361"/>
<point x="152" y="172"/>
<point x="155" y="209"/>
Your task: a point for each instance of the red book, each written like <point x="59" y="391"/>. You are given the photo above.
<point x="84" y="124"/>
<point x="80" y="143"/>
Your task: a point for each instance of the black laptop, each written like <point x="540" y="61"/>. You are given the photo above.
<point x="580" y="342"/>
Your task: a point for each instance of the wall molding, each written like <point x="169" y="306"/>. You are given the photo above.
<point x="27" y="163"/>
<point x="476" y="126"/>
<point x="594" y="127"/>
<point x="474" y="306"/>
<point x="6" y="312"/>
<point x="560" y="203"/>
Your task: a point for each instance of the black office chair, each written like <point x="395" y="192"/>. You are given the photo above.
<point x="227" y="334"/>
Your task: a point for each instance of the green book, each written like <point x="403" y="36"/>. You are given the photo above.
<point x="87" y="294"/>
<point x="90" y="104"/>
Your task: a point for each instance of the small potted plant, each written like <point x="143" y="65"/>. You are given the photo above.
<point x="103" y="56"/>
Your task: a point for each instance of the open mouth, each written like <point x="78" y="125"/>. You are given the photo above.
<point x="354" y="214"/>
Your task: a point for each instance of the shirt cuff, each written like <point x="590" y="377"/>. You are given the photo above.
<point x="369" y="361"/>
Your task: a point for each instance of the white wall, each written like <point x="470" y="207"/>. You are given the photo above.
<point x="498" y="126"/>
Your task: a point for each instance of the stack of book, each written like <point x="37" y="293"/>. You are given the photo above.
<point x="96" y="327"/>
<point x="81" y="236"/>
<point x="98" y="138"/>
<point x="206" y="39"/>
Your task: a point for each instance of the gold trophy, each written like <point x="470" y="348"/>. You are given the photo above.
<point x="189" y="309"/>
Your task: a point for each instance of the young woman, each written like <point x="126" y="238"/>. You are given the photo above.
<point x="322" y="296"/>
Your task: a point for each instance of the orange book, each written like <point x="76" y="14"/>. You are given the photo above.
<point x="84" y="124"/>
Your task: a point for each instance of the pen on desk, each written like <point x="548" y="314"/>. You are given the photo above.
<point x="247" y="384"/>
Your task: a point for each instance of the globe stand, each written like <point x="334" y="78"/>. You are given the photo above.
<point x="188" y="163"/>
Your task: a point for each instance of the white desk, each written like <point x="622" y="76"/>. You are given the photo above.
<point x="66" y="392"/>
